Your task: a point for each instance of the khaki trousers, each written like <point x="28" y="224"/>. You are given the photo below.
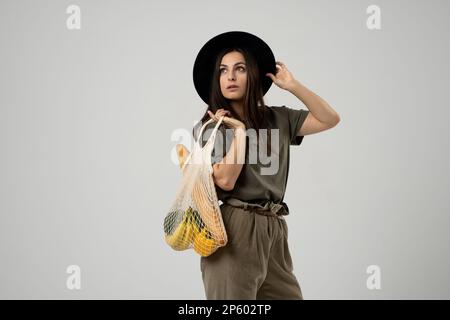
<point x="255" y="263"/>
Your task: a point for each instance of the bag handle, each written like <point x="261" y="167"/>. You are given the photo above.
<point x="211" y="138"/>
<point x="213" y="134"/>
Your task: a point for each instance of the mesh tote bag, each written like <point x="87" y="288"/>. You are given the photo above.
<point x="194" y="219"/>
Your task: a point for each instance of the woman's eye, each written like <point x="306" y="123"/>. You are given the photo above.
<point x="223" y="69"/>
<point x="241" y="68"/>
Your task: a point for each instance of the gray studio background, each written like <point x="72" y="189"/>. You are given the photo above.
<point x="87" y="115"/>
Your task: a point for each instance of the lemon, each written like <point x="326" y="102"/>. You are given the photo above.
<point x="204" y="244"/>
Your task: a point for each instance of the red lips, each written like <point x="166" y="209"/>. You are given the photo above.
<point x="232" y="86"/>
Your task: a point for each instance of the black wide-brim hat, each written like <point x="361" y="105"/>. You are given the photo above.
<point x="205" y="62"/>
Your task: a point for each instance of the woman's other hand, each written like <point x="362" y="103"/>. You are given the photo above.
<point x="219" y="113"/>
<point x="228" y="119"/>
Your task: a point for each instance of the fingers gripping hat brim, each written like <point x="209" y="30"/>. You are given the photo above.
<point x="205" y="62"/>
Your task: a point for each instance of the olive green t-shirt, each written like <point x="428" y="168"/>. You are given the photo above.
<point x="266" y="178"/>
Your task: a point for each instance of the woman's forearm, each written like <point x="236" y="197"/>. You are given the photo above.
<point x="319" y="108"/>
<point x="227" y="171"/>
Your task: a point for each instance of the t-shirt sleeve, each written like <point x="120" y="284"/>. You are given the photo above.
<point x="222" y="143"/>
<point x="296" y="117"/>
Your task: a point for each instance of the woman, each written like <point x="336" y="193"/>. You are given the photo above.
<point x="232" y="72"/>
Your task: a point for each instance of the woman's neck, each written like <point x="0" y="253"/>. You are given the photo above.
<point x="238" y="108"/>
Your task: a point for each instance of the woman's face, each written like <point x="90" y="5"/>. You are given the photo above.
<point x="233" y="72"/>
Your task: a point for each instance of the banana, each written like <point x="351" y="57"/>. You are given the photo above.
<point x="188" y="236"/>
<point x="176" y="239"/>
<point x="197" y="222"/>
<point x="185" y="233"/>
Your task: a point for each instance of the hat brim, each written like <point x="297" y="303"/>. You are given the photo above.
<point x="205" y="61"/>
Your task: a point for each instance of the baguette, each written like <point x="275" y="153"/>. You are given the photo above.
<point x="182" y="153"/>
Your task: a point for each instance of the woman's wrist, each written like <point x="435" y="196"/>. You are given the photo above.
<point x="239" y="130"/>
